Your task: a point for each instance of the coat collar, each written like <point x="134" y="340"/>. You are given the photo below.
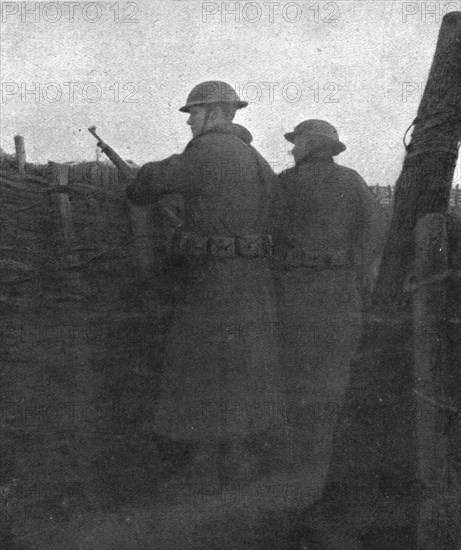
<point x="232" y="129"/>
<point x="317" y="156"/>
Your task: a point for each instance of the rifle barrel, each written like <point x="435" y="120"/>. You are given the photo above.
<point x="92" y="130"/>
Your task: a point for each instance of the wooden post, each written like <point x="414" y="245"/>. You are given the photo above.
<point x="58" y="175"/>
<point x="20" y="153"/>
<point x="94" y="175"/>
<point x="105" y="176"/>
<point x="430" y="353"/>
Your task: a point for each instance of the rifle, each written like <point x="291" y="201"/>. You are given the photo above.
<point x="124" y="168"/>
<point x="128" y="172"/>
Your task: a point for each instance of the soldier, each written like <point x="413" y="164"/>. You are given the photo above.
<point x="219" y="393"/>
<point x="330" y="231"/>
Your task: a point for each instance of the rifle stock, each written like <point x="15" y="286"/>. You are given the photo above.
<point x="126" y="171"/>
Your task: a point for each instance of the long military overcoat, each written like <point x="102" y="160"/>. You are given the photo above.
<point x="220" y="370"/>
<point x="330" y="232"/>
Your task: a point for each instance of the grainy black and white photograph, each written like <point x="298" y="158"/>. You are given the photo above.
<point x="230" y="275"/>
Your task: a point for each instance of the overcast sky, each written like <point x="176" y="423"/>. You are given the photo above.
<point x="128" y="66"/>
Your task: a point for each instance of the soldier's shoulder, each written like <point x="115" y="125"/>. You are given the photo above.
<point x="157" y="168"/>
<point x="349" y="172"/>
<point x="151" y="165"/>
<point x="213" y="144"/>
<point x="287" y="174"/>
<point x="155" y="164"/>
<point x="352" y="178"/>
<point x="151" y="168"/>
<point x="225" y="140"/>
<point x="210" y="139"/>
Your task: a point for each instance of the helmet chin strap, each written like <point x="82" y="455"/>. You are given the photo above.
<point x="206" y="119"/>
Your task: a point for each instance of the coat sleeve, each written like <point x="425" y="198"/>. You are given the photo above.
<point x="156" y="179"/>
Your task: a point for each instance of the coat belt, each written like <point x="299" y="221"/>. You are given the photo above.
<point x="222" y="247"/>
<point x="299" y="256"/>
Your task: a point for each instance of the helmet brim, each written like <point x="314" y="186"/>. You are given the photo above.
<point x="238" y="104"/>
<point x="336" y="147"/>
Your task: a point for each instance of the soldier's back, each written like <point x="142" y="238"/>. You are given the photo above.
<point x="319" y="301"/>
<point x="232" y="185"/>
<point x="323" y="205"/>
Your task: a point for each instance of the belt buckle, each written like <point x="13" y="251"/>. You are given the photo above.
<point x="329" y="260"/>
<point x="197" y="246"/>
<point x="336" y="259"/>
<point x="250" y="247"/>
<point x="222" y="247"/>
<point x="294" y="257"/>
<point x="179" y="244"/>
<point x="313" y="259"/>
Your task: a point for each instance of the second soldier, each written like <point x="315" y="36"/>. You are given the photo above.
<point x="330" y="231"/>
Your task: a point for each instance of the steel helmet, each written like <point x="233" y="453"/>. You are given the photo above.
<point x="320" y="132"/>
<point x="213" y="91"/>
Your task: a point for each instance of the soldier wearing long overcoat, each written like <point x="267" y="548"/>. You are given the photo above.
<point x="329" y="232"/>
<point x="220" y="388"/>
